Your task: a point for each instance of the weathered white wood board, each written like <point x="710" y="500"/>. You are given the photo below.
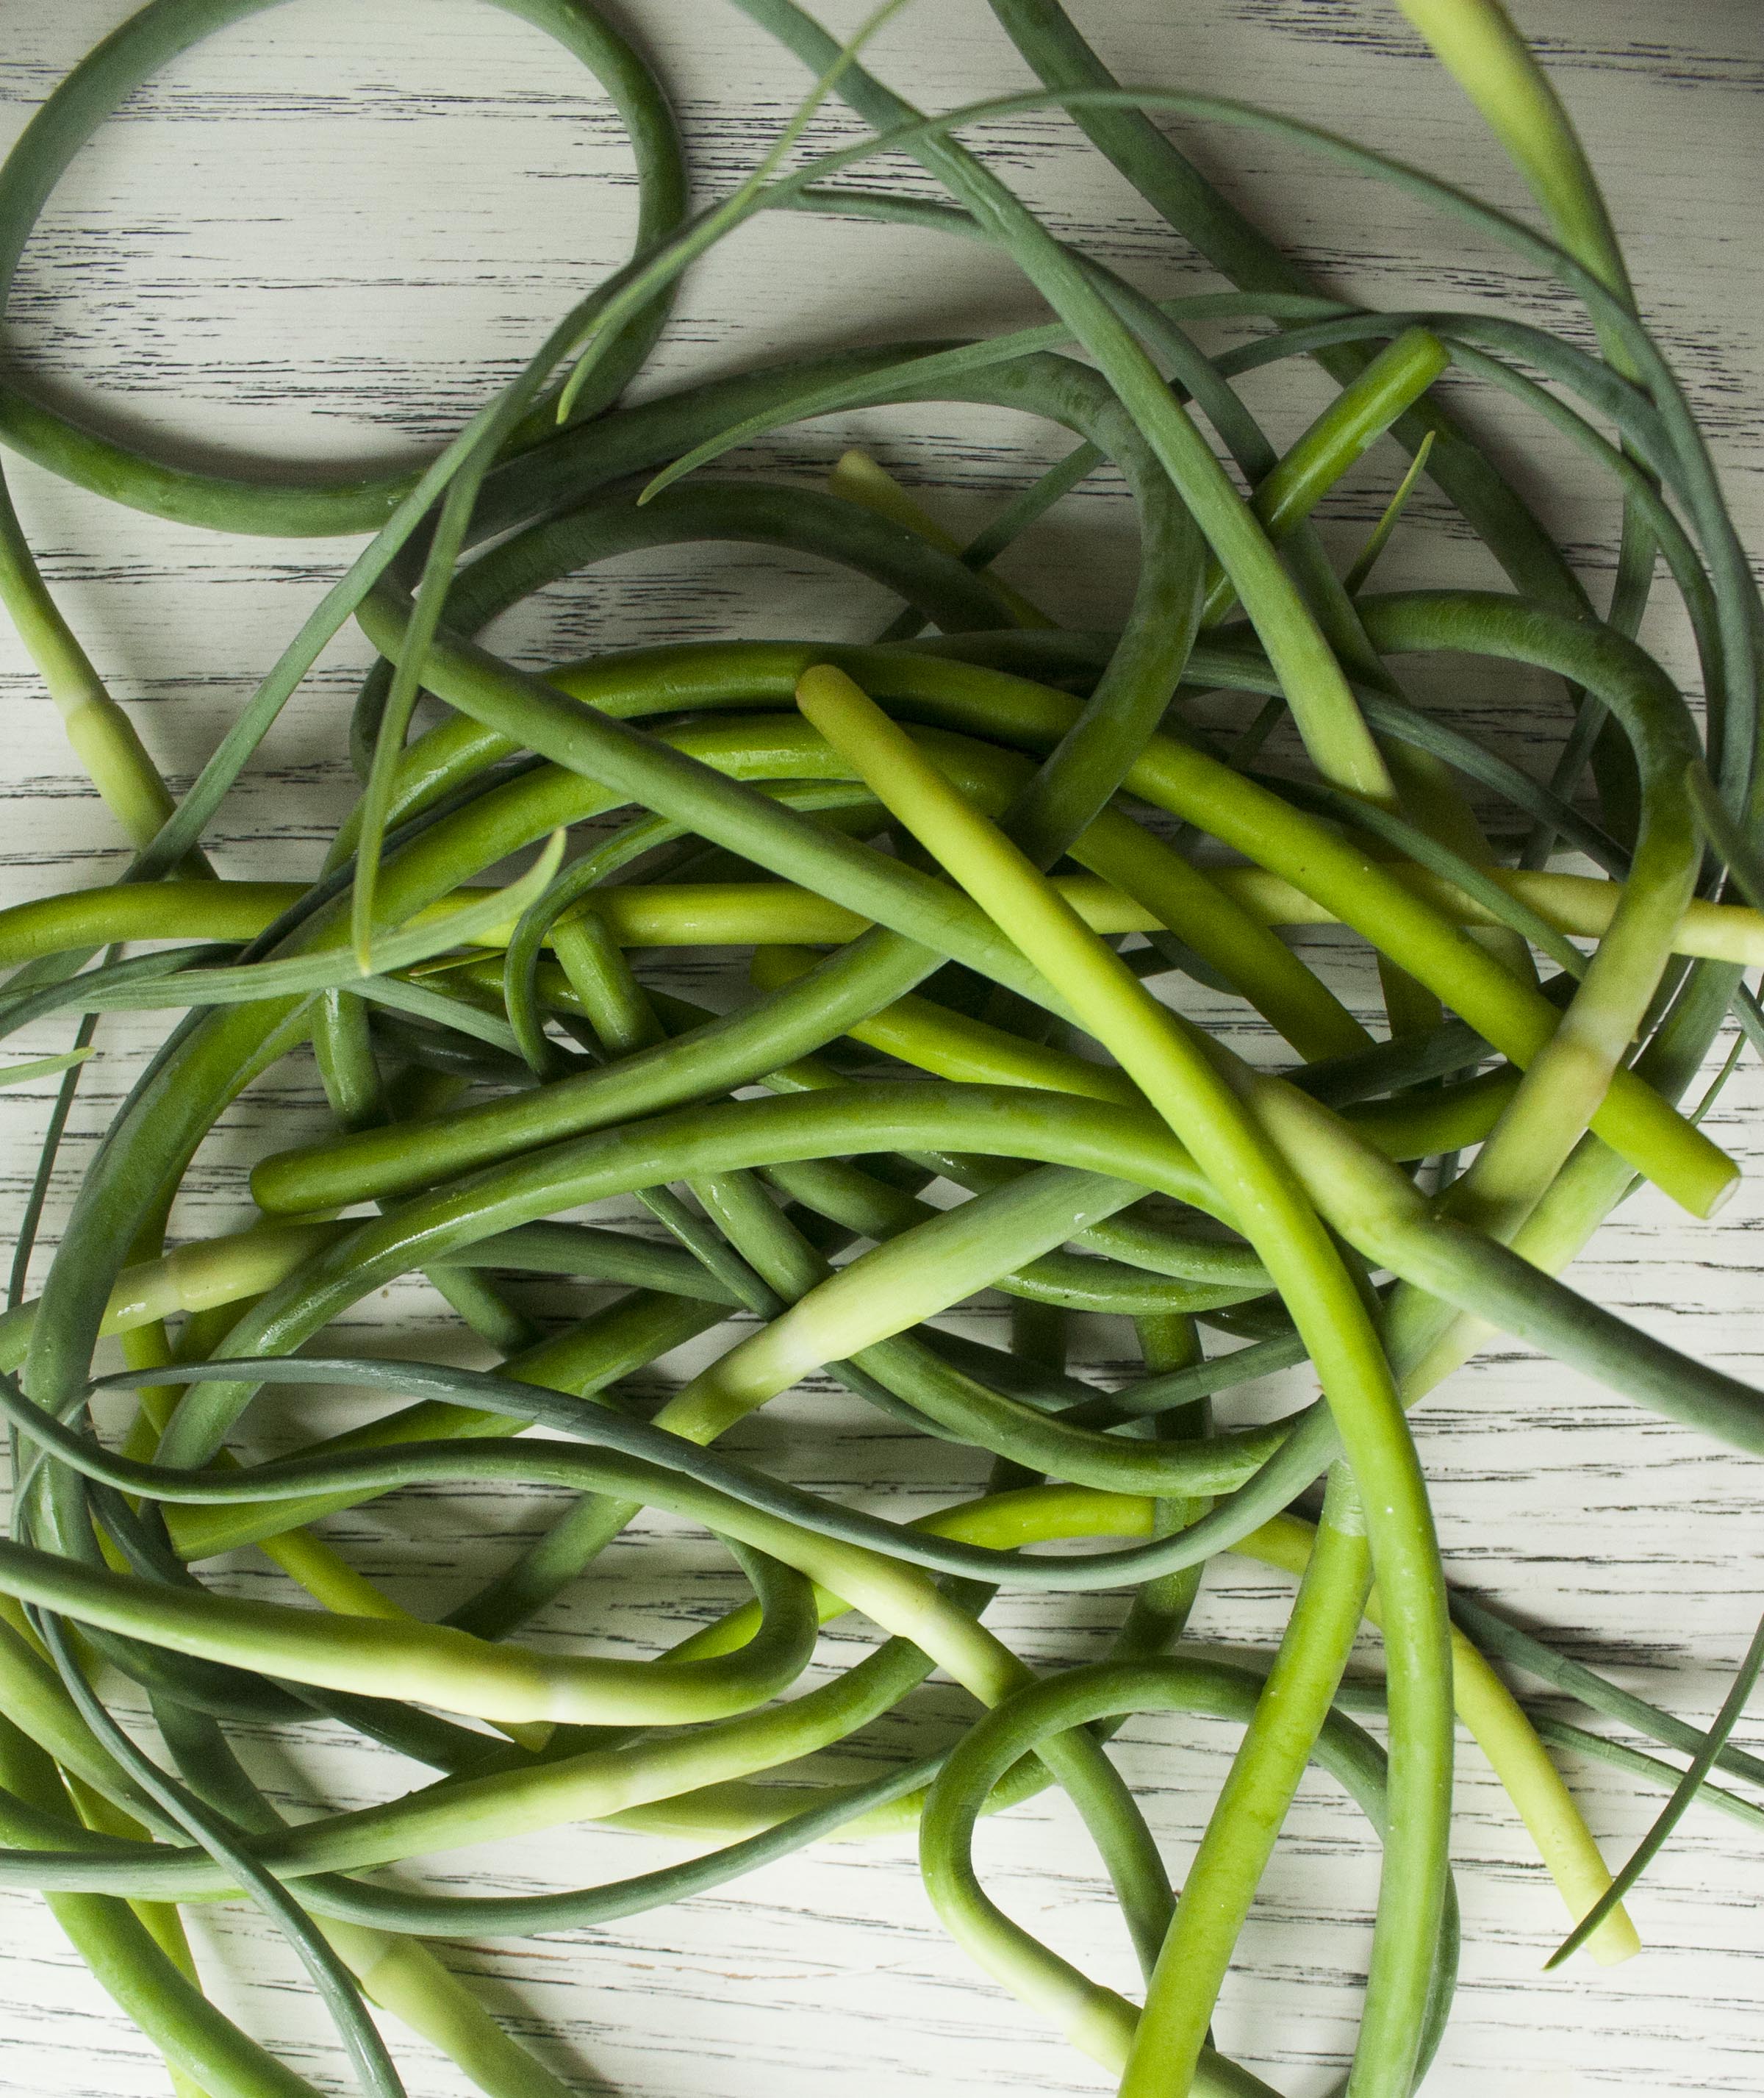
<point x="322" y="236"/>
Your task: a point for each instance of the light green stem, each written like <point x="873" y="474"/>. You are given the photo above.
<point x="1348" y="428"/>
<point x="1177" y="1077"/>
<point x="103" y="737"/>
<point x="1257" y="1793"/>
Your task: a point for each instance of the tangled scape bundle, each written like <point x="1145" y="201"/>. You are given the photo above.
<point x="973" y="862"/>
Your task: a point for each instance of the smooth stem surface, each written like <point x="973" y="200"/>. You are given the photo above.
<point x="1252" y="1803"/>
<point x="1492" y="1716"/>
<point x="1181" y="1084"/>
<point x="1348" y="428"/>
<point x="103" y="737"/>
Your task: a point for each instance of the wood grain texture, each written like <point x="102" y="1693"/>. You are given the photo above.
<point x="322" y="236"/>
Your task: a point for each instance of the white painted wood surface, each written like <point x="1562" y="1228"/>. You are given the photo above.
<point x="322" y="236"/>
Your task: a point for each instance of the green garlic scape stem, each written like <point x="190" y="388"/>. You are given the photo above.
<point x="858" y="478"/>
<point x="1096" y="2019"/>
<point x="760" y="913"/>
<point x="1352" y="424"/>
<point x="140" y="1974"/>
<point x="248" y="502"/>
<point x="1486" y="1707"/>
<point x="1477" y="41"/>
<point x="1319" y="697"/>
<point x="1488" y="1711"/>
<point x="102" y="736"/>
<point x="1045" y="1513"/>
<point x="1184" y="781"/>
<point x="1256" y="1795"/>
<point x="1324" y="1300"/>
